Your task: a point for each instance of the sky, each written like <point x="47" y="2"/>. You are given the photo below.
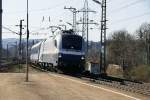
<point x="121" y="14"/>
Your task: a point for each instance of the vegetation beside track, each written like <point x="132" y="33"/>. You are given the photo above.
<point x="11" y="67"/>
<point x="140" y="73"/>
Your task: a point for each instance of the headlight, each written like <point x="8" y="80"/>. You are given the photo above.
<point x="82" y="58"/>
<point x="59" y="56"/>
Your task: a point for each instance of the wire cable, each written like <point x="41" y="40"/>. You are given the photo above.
<point x="42" y="9"/>
<point x="6" y="28"/>
<point x="131" y="18"/>
<point x="126" y="6"/>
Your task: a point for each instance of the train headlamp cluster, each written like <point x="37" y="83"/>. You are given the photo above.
<point x="82" y="58"/>
<point x="59" y="56"/>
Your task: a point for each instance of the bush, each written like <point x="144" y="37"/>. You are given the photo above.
<point x="140" y="73"/>
<point x="115" y="70"/>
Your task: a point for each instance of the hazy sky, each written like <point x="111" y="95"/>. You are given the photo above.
<point x="122" y="14"/>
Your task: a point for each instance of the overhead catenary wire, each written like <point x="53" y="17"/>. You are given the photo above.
<point x="32" y="32"/>
<point x="126" y="6"/>
<point x="131" y="18"/>
<point x="10" y="30"/>
<point x="118" y="21"/>
<point x="110" y="1"/>
<point x="42" y="9"/>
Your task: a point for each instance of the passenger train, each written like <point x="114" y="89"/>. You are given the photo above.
<point x="63" y="51"/>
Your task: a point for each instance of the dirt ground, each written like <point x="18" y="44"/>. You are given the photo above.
<point x="44" y="86"/>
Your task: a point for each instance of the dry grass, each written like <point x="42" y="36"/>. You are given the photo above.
<point x="140" y="73"/>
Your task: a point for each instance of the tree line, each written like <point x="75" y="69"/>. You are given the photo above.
<point x="128" y="49"/>
<point x="131" y="52"/>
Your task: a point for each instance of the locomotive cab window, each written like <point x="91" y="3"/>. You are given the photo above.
<point x="72" y="42"/>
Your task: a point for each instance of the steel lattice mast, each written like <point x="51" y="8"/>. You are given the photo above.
<point x="85" y="23"/>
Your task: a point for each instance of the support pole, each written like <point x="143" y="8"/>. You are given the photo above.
<point x="27" y="71"/>
<point x="20" y="44"/>
<point x="1" y="11"/>
<point x="87" y="26"/>
<point x="20" y="39"/>
<point x="103" y="39"/>
<point x="16" y="50"/>
<point x="7" y="52"/>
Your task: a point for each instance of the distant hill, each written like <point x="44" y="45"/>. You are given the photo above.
<point x="14" y="40"/>
<point x="92" y="44"/>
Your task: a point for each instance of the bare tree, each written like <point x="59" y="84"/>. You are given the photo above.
<point x="143" y="34"/>
<point x="121" y="49"/>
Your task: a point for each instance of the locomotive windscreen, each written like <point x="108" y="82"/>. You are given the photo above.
<point x="73" y="42"/>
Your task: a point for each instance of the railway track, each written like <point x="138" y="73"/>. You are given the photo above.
<point x="143" y="88"/>
<point x="123" y="84"/>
